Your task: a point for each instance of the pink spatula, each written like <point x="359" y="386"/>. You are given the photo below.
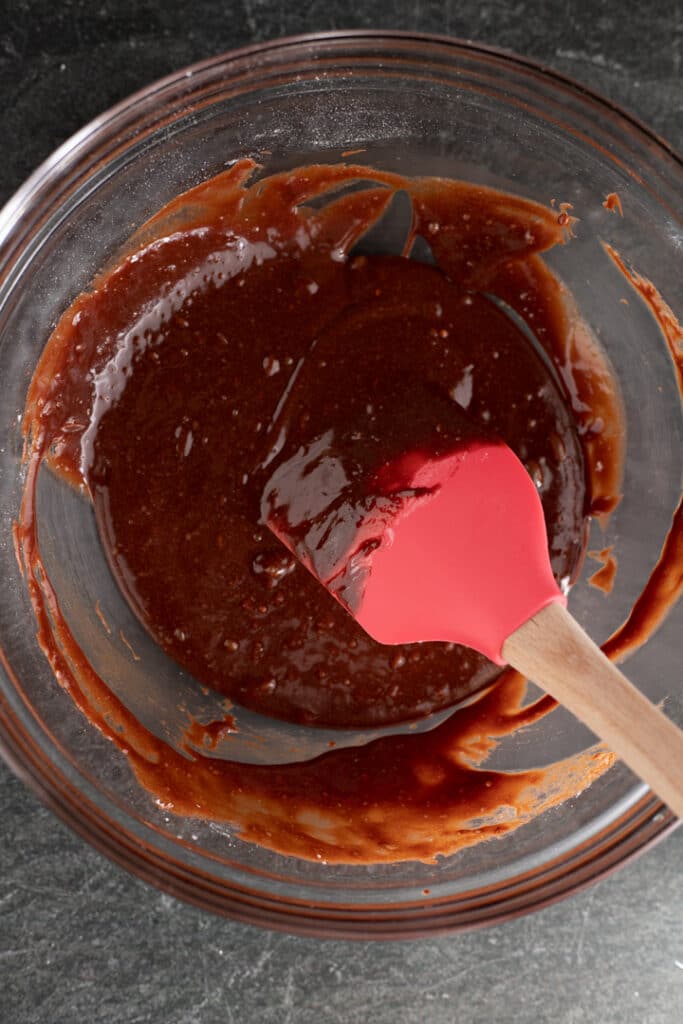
<point x="454" y="548"/>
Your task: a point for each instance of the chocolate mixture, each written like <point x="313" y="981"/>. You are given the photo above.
<point x="247" y="321"/>
<point x="197" y="341"/>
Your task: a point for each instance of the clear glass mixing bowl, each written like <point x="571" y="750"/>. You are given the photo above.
<point x="417" y="105"/>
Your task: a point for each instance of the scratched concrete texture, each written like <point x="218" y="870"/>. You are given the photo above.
<point x="81" y="941"/>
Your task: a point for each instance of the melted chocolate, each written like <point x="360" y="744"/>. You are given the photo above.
<point x="162" y="393"/>
<point x="194" y="343"/>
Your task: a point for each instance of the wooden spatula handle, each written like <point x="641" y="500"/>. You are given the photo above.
<point x="553" y="651"/>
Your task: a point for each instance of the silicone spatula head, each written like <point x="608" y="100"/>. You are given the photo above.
<point x="450" y="548"/>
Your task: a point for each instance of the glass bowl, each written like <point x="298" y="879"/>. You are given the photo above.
<point x="417" y="105"/>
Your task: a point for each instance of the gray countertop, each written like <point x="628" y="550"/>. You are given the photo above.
<point x="82" y="941"/>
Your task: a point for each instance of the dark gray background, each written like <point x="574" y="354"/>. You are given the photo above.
<point x="80" y="941"/>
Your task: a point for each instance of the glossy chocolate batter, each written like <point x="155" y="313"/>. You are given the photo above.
<point x="246" y="322"/>
<point x="380" y="352"/>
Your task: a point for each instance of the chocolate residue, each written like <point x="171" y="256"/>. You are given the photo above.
<point x="612" y="202"/>
<point x="665" y="584"/>
<point x="603" y="578"/>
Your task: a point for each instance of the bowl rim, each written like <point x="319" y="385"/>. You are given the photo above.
<point x="635" y="831"/>
<point x="78" y="138"/>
